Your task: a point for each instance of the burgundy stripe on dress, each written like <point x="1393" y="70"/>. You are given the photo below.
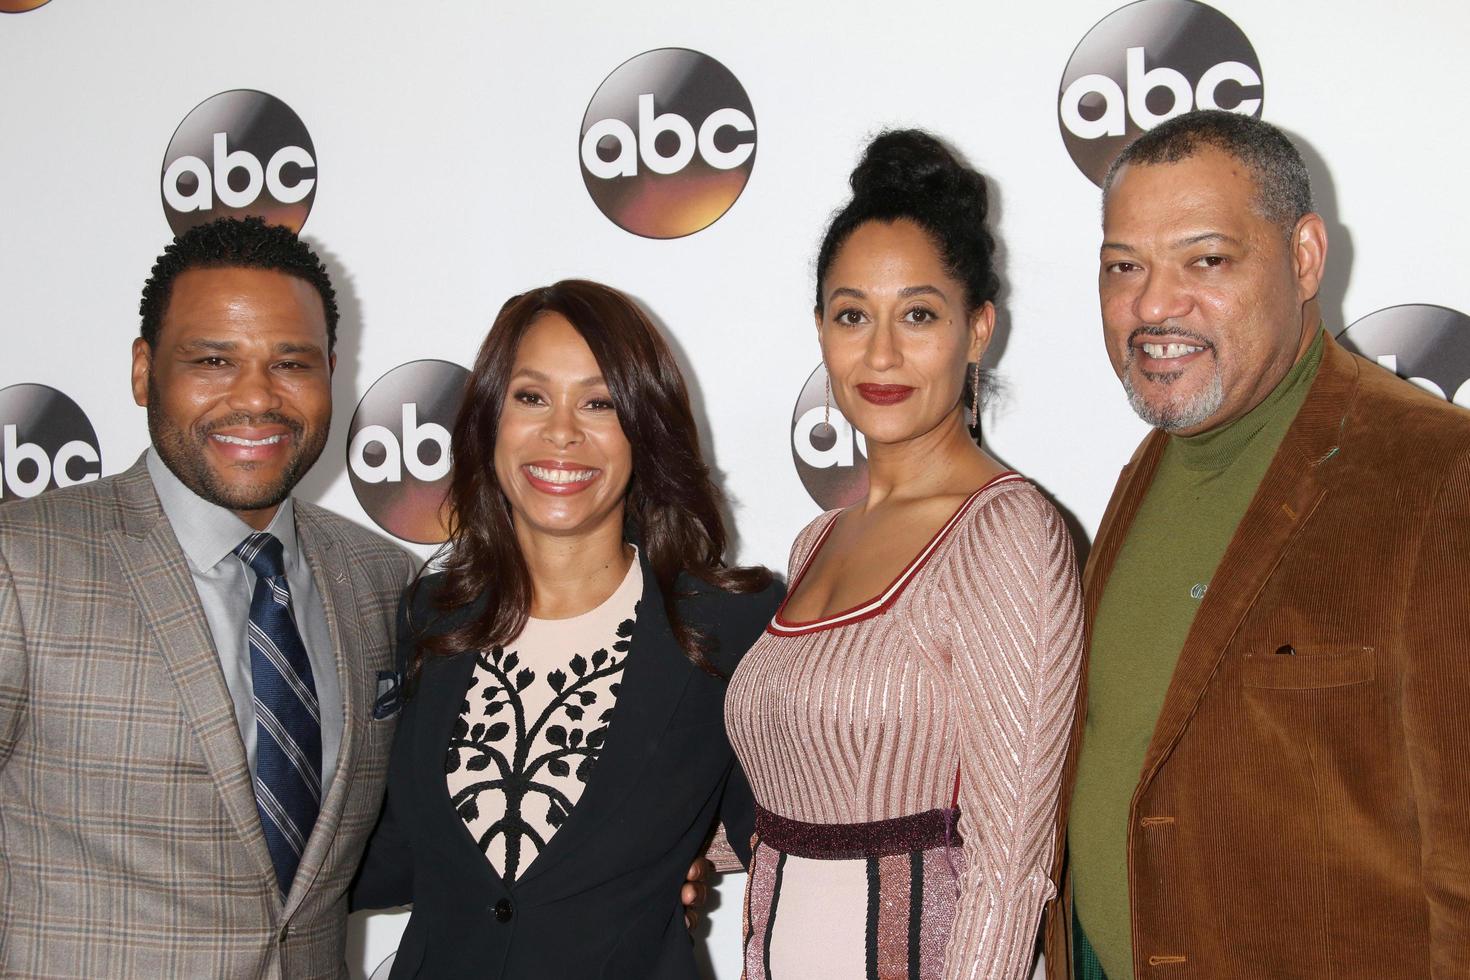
<point x="849" y="841"/>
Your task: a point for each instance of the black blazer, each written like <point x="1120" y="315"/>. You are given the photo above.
<point x="602" y="899"/>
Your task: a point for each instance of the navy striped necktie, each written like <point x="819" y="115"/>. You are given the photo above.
<point x="288" y="727"/>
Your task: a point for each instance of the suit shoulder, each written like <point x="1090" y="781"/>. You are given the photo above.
<point x="424" y="592"/>
<point x="734" y="619"/>
<point x="420" y="613"/>
<point x="699" y="594"/>
<point x="78" y="513"/>
<point x="61" y="502"/>
<point x="1419" y="429"/>
<point x="363" y="546"/>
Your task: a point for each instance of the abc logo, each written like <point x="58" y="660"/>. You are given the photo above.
<point x="668" y="143"/>
<point x="831" y="460"/>
<point x="46" y="441"/>
<point x="398" y="448"/>
<point x="1148" y="62"/>
<point x="1427" y="345"/>
<point x="20" y="6"/>
<point x="239" y="153"/>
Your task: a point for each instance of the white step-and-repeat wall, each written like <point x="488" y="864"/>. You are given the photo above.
<point x="444" y="155"/>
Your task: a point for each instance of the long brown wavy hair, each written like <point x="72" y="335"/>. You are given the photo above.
<point x="672" y="509"/>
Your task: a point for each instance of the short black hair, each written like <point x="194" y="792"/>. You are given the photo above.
<point x="909" y="174"/>
<point x="1283" y="186"/>
<point x="234" y="243"/>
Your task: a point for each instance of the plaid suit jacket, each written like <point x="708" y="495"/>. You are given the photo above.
<point x="130" y="845"/>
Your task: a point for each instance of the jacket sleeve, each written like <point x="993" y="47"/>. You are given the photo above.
<point x="1436" y="714"/>
<point x="737" y="804"/>
<point x="14" y="666"/>
<point x="385" y="877"/>
<point x="737" y="824"/>
<point x="1018" y="628"/>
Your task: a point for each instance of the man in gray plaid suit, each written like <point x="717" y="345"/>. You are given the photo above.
<point x="196" y="687"/>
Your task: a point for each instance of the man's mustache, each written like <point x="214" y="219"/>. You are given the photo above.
<point x="246" y="419"/>
<point x="1159" y="330"/>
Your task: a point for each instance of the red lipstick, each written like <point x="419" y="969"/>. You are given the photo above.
<point x="885" y="394"/>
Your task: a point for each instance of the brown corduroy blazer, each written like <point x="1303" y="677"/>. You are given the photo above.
<point x="1304" y="805"/>
<point x="130" y="844"/>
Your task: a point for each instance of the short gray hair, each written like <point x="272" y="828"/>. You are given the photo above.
<point x="1283" y="187"/>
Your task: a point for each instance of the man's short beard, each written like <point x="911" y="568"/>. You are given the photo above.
<point x="1173" y="416"/>
<point x="182" y="451"/>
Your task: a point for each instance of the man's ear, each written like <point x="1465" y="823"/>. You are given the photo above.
<point x="1309" y="255"/>
<point x="142" y="364"/>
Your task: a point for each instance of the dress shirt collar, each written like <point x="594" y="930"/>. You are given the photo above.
<point x="207" y="532"/>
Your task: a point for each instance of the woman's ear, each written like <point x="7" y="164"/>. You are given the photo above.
<point x="982" y="326"/>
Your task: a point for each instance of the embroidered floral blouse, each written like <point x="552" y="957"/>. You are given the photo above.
<point x="533" y="724"/>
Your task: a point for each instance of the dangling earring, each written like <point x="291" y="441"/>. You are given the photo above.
<point x="827" y="402"/>
<point x="975" y="394"/>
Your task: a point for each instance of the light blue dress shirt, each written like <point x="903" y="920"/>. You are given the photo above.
<point x="208" y="534"/>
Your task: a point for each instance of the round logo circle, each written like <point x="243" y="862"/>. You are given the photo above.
<point x="831" y="457"/>
<point x="1426" y="345"/>
<point x="667" y="143"/>
<point x="398" y="448"/>
<point x="20" y="6"/>
<point x="46" y="441"/>
<point x="239" y="153"/>
<point x="1148" y="62"/>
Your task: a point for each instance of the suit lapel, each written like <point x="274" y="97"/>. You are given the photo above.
<point x="440" y="697"/>
<point x="1133" y="484"/>
<point x="653" y="683"/>
<point x="1128" y="494"/>
<point x="339" y="597"/>
<point x="1290" y="491"/>
<point x="156" y="570"/>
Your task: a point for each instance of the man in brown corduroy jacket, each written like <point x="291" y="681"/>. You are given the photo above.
<point x="1271" y="762"/>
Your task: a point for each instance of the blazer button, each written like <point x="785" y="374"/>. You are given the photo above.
<point x="503" y="910"/>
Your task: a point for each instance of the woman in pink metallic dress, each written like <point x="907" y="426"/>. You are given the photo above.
<point x="903" y="719"/>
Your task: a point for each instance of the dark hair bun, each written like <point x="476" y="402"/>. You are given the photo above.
<point x="907" y="174"/>
<point x="911" y="165"/>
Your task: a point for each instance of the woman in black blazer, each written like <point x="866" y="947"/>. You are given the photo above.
<point x="577" y="485"/>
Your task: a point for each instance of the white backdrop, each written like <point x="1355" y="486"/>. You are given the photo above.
<point x="445" y="138"/>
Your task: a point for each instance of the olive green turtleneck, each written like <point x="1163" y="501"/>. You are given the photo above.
<point x="1198" y="495"/>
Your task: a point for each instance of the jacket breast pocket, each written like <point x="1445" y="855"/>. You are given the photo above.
<point x="1305" y="668"/>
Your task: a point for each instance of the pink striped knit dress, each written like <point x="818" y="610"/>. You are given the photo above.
<point x="906" y="755"/>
